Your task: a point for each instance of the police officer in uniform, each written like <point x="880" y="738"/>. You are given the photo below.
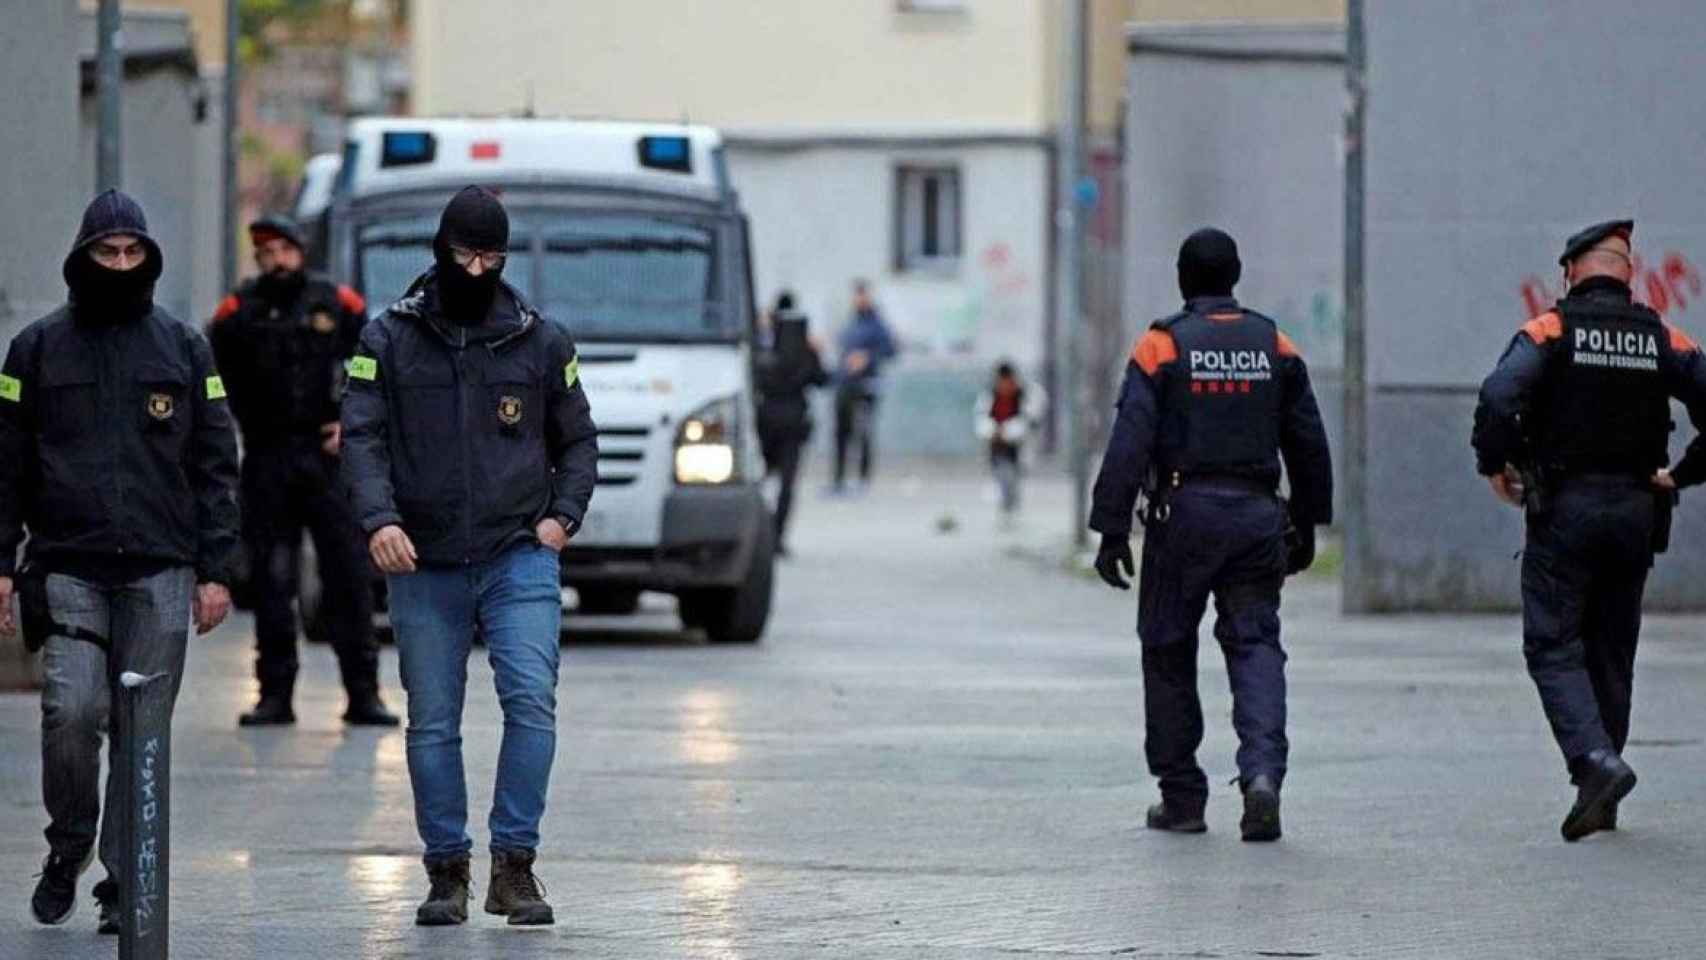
<point x="1213" y="398"/>
<point x="1580" y="402"/>
<point x="281" y="342"/>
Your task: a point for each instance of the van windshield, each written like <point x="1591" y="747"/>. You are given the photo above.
<point x="607" y="275"/>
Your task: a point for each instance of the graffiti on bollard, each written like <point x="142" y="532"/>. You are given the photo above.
<point x="145" y="726"/>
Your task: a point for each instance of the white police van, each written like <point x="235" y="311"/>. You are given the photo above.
<point x="631" y="235"/>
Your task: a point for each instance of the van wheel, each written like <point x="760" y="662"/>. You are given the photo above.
<point x="607" y="601"/>
<point x="736" y="614"/>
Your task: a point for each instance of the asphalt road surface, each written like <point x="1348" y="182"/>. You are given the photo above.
<point x="935" y="753"/>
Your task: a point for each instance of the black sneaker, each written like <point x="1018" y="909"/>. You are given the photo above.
<point x="1174" y="816"/>
<point x="1261" y="823"/>
<point x="515" y="891"/>
<point x="1605" y="780"/>
<point x="106" y="895"/>
<point x="55" y="899"/>
<point x="271" y="711"/>
<point x="447" y="902"/>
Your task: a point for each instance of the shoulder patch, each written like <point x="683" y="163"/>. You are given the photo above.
<point x="1154" y="350"/>
<point x="11" y="389"/>
<point x="363" y="368"/>
<point x="572" y="373"/>
<point x="350" y="300"/>
<point x="1547" y="326"/>
<point x="215" y="387"/>
<point x="1286" y="347"/>
<point x="1680" y="341"/>
<point x="226" y="308"/>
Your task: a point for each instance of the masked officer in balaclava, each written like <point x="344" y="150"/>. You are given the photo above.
<point x="118" y="459"/>
<point x="281" y="341"/>
<point x="471" y="456"/>
<point x="1214" y="397"/>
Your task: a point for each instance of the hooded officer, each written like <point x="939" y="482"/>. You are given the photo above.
<point x="118" y="458"/>
<point x="281" y="341"/>
<point x="1580" y="401"/>
<point x="471" y="456"/>
<point x="1213" y="398"/>
<point x="786" y="372"/>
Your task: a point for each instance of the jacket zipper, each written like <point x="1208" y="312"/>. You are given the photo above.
<point x="467" y="453"/>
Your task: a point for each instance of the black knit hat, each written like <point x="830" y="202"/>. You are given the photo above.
<point x="475" y="219"/>
<point x="112" y="212"/>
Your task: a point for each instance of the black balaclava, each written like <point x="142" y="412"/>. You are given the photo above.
<point x="100" y="294"/>
<point x="1208" y="264"/>
<point x="278" y="285"/>
<point x="474" y="219"/>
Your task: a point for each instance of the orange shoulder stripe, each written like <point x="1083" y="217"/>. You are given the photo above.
<point x="1547" y="326"/>
<point x="1154" y="350"/>
<point x="1679" y="341"/>
<point x="226" y="308"/>
<point x="350" y="300"/>
<point x="1286" y="347"/>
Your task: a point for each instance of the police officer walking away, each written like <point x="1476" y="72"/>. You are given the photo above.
<point x="1574" y="424"/>
<point x="471" y="456"/>
<point x="1214" y="397"/>
<point x="281" y="342"/>
<point x="786" y="372"/>
<point x="118" y="458"/>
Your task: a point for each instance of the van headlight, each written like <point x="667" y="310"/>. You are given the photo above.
<point x="707" y="443"/>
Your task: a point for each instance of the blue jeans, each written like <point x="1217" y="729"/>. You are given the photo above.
<point x="516" y="600"/>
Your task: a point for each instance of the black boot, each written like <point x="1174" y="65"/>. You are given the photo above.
<point x="1604" y="780"/>
<point x="447" y="902"/>
<point x="1177" y="816"/>
<point x="367" y="710"/>
<point x="106" y="897"/>
<point x="55" y="899"/>
<point x="273" y="710"/>
<point x="1261" y="823"/>
<point x="515" y="892"/>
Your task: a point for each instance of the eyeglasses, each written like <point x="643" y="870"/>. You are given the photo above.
<point x="116" y="254"/>
<point x="489" y="259"/>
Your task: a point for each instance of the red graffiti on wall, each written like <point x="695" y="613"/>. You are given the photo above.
<point x="1666" y="287"/>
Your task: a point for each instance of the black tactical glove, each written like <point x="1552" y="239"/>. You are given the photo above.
<point x="1111" y="557"/>
<point x="1299" y="547"/>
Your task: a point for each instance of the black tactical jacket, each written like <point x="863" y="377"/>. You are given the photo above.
<point x="115" y="442"/>
<point x="466" y="436"/>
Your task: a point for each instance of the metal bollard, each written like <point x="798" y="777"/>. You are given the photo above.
<point x="145" y="763"/>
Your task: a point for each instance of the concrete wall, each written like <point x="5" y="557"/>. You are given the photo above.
<point x="860" y="61"/>
<point x="1494" y="131"/>
<point x="823" y="215"/>
<point x="41" y="184"/>
<point x="171" y="164"/>
<point x="1248" y="145"/>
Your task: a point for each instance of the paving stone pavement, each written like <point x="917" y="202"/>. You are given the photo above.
<point x="935" y="753"/>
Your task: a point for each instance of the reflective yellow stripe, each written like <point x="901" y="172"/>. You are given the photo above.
<point x="364" y="368"/>
<point x="572" y="373"/>
<point x="215" y="388"/>
<point x="11" y="388"/>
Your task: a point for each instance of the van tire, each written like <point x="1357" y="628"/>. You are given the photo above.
<point x="736" y="614"/>
<point x="607" y="601"/>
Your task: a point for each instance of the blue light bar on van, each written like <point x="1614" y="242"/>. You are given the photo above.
<point x="402" y="148"/>
<point x="666" y="153"/>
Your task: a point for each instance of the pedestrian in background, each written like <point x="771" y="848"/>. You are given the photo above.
<point x="118" y="458"/>
<point x="1214" y="397"/>
<point x="1006" y="413"/>
<point x="787" y="372"/>
<point x="1574" y="423"/>
<point x="471" y="456"/>
<point x="866" y="347"/>
<point x="281" y="341"/>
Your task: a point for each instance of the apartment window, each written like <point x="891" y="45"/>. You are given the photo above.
<point x="931" y="6"/>
<point x="927" y="218"/>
